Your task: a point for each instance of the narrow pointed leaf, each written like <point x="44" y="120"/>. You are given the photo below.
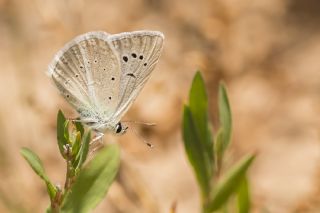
<point x="224" y="115"/>
<point x="195" y="152"/>
<point x="62" y="141"/>
<point x="229" y="184"/>
<point x="36" y="164"/>
<point x="84" y="150"/>
<point x="93" y="181"/>
<point x="34" y="161"/>
<point x="244" y="196"/>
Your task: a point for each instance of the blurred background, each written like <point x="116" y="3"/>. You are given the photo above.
<point x="267" y="52"/>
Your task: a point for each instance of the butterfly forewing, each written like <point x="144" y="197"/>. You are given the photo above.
<point x="66" y="74"/>
<point x="138" y="52"/>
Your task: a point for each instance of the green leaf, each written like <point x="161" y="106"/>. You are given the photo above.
<point x="224" y="115"/>
<point x="198" y="103"/>
<point x="229" y="184"/>
<point x="84" y="150"/>
<point x="36" y="164"/>
<point x="34" y="161"/>
<point x="66" y="132"/>
<point x="76" y="145"/>
<point x="62" y="141"/>
<point x="93" y="181"/>
<point x="52" y="190"/>
<point x="79" y="127"/>
<point x="244" y="196"/>
<point x="195" y="152"/>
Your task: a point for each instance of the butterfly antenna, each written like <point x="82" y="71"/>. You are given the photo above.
<point x="145" y="123"/>
<point x="141" y="123"/>
<point x="150" y="145"/>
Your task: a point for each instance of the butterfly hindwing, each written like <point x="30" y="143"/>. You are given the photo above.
<point x="138" y="52"/>
<point x="66" y="74"/>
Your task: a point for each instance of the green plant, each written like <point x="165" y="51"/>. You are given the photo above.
<point x="206" y="153"/>
<point x="86" y="183"/>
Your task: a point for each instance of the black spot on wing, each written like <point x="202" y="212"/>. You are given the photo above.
<point x="131" y="74"/>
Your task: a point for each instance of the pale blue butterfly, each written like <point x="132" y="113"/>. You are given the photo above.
<point x="101" y="74"/>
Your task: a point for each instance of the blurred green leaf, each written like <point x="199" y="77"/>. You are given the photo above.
<point x="224" y="115"/>
<point x="36" y="164"/>
<point x="84" y="150"/>
<point x="62" y="141"/>
<point x="198" y="103"/>
<point x="218" y="148"/>
<point x="195" y="152"/>
<point x="49" y="210"/>
<point x="244" y="196"/>
<point x="229" y="184"/>
<point x="93" y="181"/>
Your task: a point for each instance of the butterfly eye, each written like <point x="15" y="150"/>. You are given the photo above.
<point x="118" y="128"/>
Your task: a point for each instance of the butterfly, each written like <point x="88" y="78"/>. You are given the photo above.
<point x="101" y="75"/>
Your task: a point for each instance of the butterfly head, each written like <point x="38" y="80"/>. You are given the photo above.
<point x="120" y="129"/>
<point x="103" y="127"/>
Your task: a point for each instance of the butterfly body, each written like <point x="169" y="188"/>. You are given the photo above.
<point x="101" y="74"/>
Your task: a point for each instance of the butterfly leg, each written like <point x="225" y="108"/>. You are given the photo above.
<point x="94" y="146"/>
<point x="97" y="137"/>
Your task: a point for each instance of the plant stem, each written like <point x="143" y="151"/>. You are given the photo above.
<point x="69" y="176"/>
<point x="56" y="202"/>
